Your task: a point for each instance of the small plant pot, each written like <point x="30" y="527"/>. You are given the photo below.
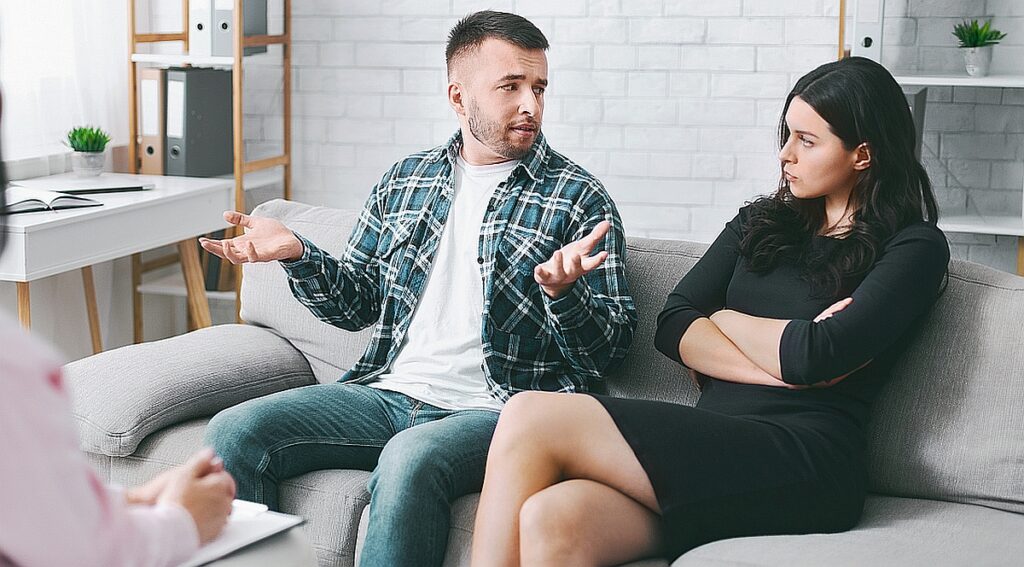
<point x="88" y="164"/>
<point x="977" y="60"/>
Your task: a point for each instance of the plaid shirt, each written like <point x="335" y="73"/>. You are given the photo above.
<point x="530" y="342"/>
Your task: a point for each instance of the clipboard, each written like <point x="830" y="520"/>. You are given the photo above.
<point x="248" y="523"/>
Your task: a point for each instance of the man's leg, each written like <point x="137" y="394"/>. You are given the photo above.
<point x="421" y="471"/>
<point x="266" y="440"/>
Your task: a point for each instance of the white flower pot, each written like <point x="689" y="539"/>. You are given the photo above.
<point x="977" y="60"/>
<point x="88" y="164"/>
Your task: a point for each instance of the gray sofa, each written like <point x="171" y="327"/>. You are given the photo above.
<point x="947" y="438"/>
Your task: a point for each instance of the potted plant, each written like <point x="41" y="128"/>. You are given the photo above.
<point x="89" y="144"/>
<point x="976" y="41"/>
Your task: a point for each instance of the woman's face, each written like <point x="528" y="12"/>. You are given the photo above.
<point x="814" y="161"/>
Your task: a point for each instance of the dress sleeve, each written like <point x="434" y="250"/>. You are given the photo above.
<point x="701" y="292"/>
<point x="899" y="289"/>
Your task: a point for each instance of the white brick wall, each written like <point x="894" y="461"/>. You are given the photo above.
<point x="672" y="103"/>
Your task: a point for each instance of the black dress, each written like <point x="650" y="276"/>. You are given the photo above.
<point x="761" y="460"/>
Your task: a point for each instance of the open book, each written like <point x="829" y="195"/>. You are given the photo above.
<point x="248" y="523"/>
<point x="27" y="200"/>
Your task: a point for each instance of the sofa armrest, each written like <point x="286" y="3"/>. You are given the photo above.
<point x="121" y="396"/>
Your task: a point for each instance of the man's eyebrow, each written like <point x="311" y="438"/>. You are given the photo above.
<point x="520" y="77"/>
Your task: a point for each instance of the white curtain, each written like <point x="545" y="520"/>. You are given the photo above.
<point x="63" y="63"/>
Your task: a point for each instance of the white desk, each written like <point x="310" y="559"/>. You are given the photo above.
<point x="176" y="211"/>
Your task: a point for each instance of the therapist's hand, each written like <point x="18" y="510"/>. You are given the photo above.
<point x="204" y="489"/>
<point x="265" y="240"/>
<point x="571" y="262"/>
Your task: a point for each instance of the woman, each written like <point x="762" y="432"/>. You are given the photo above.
<point x="791" y="320"/>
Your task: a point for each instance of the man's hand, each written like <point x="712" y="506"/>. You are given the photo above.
<point x="265" y="240"/>
<point x="571" y="262"/>
<point x="204" y="489"/>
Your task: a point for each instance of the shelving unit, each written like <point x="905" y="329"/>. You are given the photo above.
<point x="241" y="167"/>
<point x="869" y="18"/>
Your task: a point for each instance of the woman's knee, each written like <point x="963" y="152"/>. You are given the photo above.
<point x="546" y="528"/>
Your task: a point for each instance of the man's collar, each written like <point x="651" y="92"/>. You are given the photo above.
<point x="532" y="162"/>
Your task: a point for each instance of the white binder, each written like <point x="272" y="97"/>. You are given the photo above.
<point x="254" y="15"/>
<point x="200" y="30"/>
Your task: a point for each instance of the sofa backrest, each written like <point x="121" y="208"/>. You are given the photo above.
<point x="267" y="300"/>
<point x="949" y="425"/>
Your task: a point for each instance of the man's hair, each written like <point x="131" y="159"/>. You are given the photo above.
<point x="472" y="30"/>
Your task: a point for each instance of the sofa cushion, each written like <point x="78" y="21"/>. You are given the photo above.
<point x="893" y="531"/>
<point x="949" y="424"/>
<point x="121" y="396"/>
<point x="653" y="268"/>
<point x="267" y="300"/>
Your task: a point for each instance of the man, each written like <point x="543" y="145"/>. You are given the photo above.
<point x="474" y="261"/>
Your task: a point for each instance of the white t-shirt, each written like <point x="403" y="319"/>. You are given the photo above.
<point x="441" y="358"/>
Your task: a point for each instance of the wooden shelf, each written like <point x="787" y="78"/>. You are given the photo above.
<point x="177" y="60"/>
<point x="1010" y="81"/>
<point x="983" y="224"/>
<point x="173" y="285"/>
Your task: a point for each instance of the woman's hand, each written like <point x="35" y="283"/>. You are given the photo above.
<point x="833" y="309"/>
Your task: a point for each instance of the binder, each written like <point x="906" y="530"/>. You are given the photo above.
<point x="200" y="28"/>
<point x="152" y="120"/>
<point x="199" y="141"/>
<point x="254" y="16"/>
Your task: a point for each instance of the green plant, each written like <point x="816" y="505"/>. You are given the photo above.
<point x="87" y="139"/>
<point x="971" y="34"/>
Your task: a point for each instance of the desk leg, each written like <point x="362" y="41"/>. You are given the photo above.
<point x="192" y="268"/>
<point x="136" y="298"/>
<point x="91" y="310"/>
<point x="1020" y="255"/>
<point x="24" y="307"/>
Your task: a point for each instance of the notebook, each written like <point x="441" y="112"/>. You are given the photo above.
<point x="248" y="523"/>
<point x="27" y="200"/>
<point x="77" y="185"/>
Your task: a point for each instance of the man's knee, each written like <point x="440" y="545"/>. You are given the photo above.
<point x="409" y="462"/>
<point x="233" y="433"/>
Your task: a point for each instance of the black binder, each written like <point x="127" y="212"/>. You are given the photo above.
<point x="200" y="141"/>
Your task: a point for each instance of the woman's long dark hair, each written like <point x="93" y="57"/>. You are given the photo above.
<point x="862" y="103"/>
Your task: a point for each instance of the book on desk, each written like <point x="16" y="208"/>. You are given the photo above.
<point x="30" y="199"/>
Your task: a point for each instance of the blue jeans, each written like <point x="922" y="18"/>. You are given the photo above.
<point x="422" y="457"/>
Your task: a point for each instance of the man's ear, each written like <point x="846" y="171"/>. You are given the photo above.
<point x="862" y="160"/>
<point x="455" y="98"/>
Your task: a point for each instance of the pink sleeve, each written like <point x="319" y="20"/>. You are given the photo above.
<point x="54" y="510"/>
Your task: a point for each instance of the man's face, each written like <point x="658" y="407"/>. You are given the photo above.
<point x="502" y="88"/>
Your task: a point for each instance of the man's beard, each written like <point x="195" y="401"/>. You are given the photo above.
<point x="493" y="135"/>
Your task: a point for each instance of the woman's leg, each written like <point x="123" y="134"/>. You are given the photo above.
<point x="541" y="440"/>
<point x="585" y="523"/>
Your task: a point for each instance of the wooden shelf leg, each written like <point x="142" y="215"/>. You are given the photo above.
<point x="1020" y="255"/>
<point x="192" y="269"/>
<point x="24" y="306"/>
<point x="92" y="310"/>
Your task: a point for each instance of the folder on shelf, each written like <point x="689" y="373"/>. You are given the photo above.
<point x="152" y="120"/>
<point x="199" y="140"/>
<point x="200" y="27"/>
<point x="254" y="16"/>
